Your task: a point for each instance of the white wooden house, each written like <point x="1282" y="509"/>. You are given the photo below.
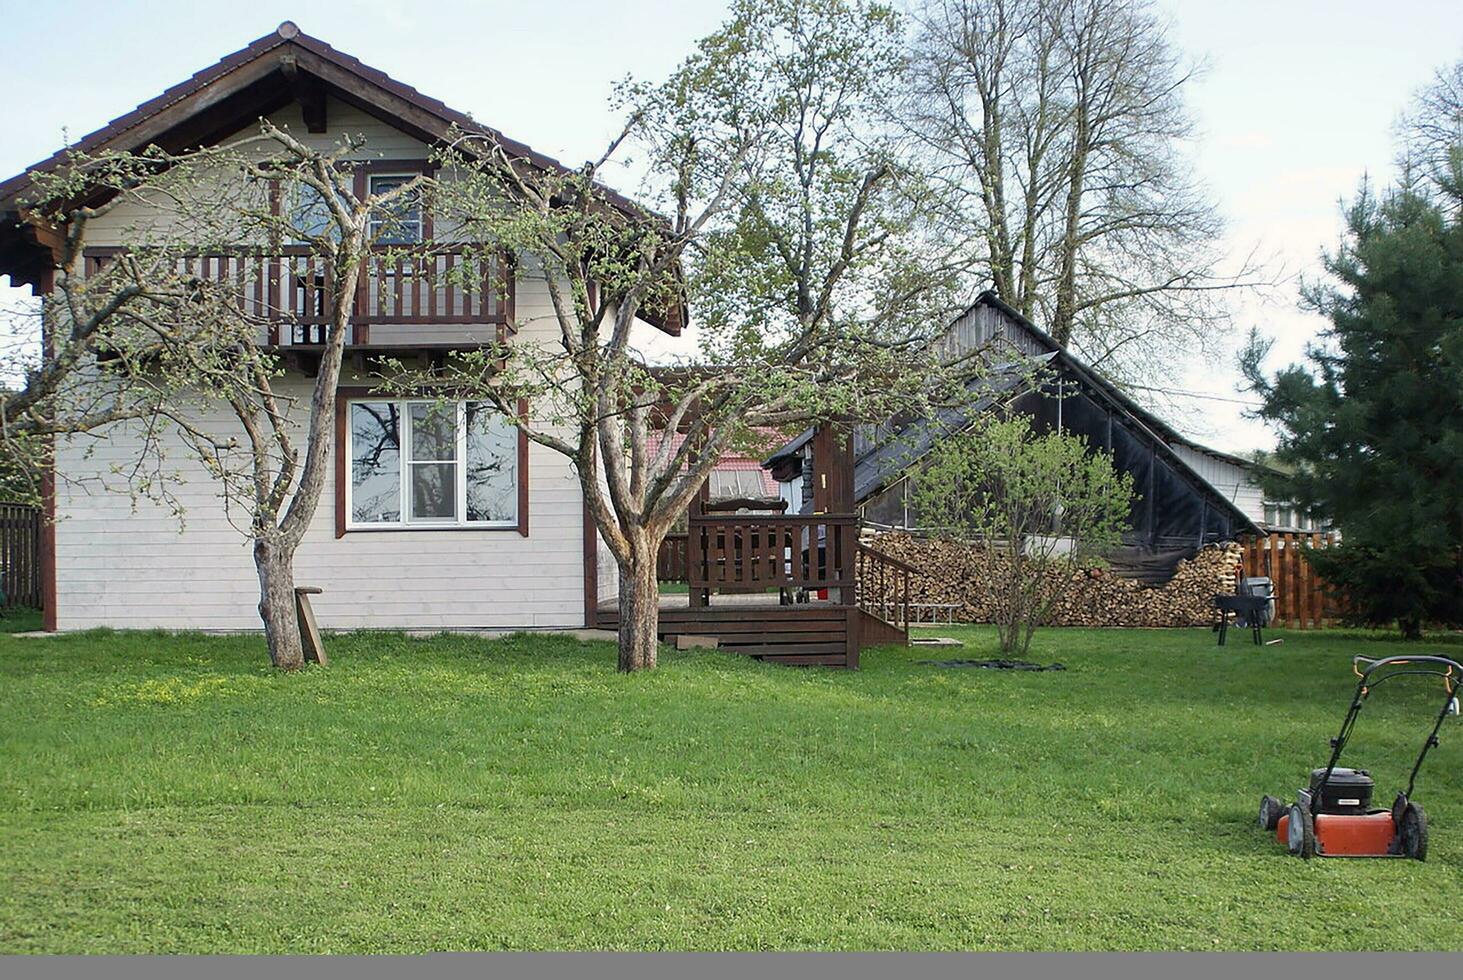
<point x="428" y="523"/>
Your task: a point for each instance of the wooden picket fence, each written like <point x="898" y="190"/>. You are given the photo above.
<point x="1302" y="600"/>
<point x="20" y="554"/>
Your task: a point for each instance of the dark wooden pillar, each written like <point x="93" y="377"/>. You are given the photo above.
<point x="696" y="548"/>
<point x="833" y="469"/>
<point x="833" y="494"/>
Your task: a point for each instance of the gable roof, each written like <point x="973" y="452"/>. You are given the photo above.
<point x="241" y="87"/>
<point x="880" y="461"/>
<point x="883" y="462"/>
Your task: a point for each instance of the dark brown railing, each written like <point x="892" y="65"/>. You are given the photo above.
<point x="883" y="586"/>
<point x="419" y="284"/>
<point x="20" y="554"/>
<point x="757" y="551"/>
<point x="670" y="561"/>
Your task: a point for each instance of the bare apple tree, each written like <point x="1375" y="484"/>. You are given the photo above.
<point x="776" y="212"/>
<point x="149" y="338"/>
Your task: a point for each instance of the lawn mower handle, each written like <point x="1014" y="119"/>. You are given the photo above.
<point x="1372" y="664"/>
<point x="1451" y="677"/>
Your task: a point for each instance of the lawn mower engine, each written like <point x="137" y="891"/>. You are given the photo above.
<point x="1348" y="791"/>
<point x="1333" y="818"/>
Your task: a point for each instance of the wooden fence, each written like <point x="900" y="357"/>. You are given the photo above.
<point x="1301" y="599"/>
<point x="20" y="554"/>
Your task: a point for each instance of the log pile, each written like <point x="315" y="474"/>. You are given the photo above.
<point x="951" y="572"/>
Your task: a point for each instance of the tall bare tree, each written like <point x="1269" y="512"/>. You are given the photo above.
<point x="1431" y="138"/>
<point x="1057" y="130"/>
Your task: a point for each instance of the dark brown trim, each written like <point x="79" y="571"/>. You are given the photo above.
<point x="343" y="394"/>
<point x="272" y="275"/>
<point x="591" y="569"/>
<point x="46" y="282"/>
<point x="523" y="470"/>
<point x="399" y="165"/>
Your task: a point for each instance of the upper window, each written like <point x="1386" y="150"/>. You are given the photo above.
<point x="401" y="222"/>
<point x="426" y="464"/>
<point x="309" y="214"/>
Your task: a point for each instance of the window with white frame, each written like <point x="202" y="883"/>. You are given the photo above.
<point x="309" y="215"/>
<point x="421" y="464"/>
<point x="400" y="223"/>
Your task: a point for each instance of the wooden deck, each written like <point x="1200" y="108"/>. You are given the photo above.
<point x="792" y="589"/>
<point x="872" y="608"/>
<point x="805" y="634"/>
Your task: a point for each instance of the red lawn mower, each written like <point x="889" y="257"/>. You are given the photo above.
<point x="1333" y="815"/>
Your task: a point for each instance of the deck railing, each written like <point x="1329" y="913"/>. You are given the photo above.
<point x="670" y="561"/>
<point x="758" y="551"/>
<point x="424" y="284"/>
<point x="883" y="586"/>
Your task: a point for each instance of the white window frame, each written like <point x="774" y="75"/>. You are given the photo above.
<point x="404" y="464"/>
<point x="374" y="224"/>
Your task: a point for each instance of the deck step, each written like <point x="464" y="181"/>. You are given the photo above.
<point x="876" y="632"/>
<point x="793" y="635"/>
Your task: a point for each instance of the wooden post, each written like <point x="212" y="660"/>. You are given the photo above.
<point x="309" y="632"/>
<point x="1308" y="592"/>
<point x="1292" y="584"/>
<point x="696" y="549"/>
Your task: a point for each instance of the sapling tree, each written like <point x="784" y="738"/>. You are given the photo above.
<point x="775" y="212"/>
<point x="147" y="338"/>
<point x="1038" y="507"/>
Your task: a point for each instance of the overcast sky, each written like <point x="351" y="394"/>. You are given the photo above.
<point x="1296" y="105"/>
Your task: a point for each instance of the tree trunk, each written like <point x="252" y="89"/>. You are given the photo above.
<point x="277" y="605"/>
<point x="639" y="611"/>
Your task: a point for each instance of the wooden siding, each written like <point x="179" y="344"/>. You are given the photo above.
<point x="128" y="567"/>
<point x="117" y="567"/>
<point x="983" y="327"/>
<point x="1234" y="482"/>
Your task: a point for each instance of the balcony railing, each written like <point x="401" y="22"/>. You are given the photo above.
<point x="400" y="285"/>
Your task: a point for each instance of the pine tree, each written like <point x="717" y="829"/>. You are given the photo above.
<point x="1371" y="429"/>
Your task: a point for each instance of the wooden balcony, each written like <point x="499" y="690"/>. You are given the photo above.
<point x="409" y="297"/>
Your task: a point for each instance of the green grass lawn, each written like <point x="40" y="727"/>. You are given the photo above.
<point x="168" y="793"/>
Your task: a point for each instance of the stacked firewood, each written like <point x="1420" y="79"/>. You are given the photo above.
<point x="959" y="574"/>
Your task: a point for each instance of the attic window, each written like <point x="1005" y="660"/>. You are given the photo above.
<point x="401" y="223"/>
<point x="309" y="215"/>
<point x="737" y="484"/>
